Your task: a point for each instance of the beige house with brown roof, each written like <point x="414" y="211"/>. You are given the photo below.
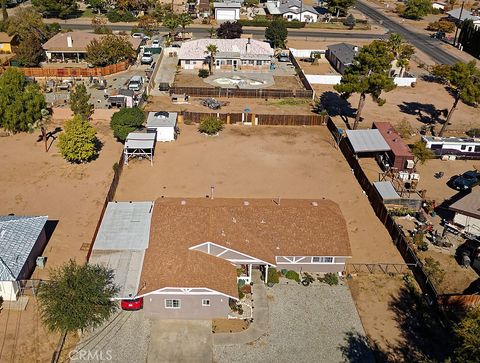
<point x="196" y="245"/>
<point x="73" y="45"/>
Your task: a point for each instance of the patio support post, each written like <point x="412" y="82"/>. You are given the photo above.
<point x="63" y="57"/>
<point x="78" y="57"/>
<point x="250" y="272"/>
<point x="266" y="273"/>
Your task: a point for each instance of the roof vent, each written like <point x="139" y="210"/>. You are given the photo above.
<point x="315" y="204"/>
<point x="183" y="202"/>
<point x="263" y="222"/>
<point x="234" y="220"/>
<point x="246" y="202"/>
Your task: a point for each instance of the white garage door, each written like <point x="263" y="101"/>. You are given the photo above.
<point x="225" y="14"/>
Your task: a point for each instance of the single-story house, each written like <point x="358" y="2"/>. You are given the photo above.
<point x="22" y="240"/>
<point x="399" y="156"/>
<point x="454" y="15"/>
<point x="293" y="10"/>
<point x="8" y="42"/>
<point x="198" y="246"/>
<point x="232" y="54"/>
<point x="467" y="212"/>
<point x="121" y="242"/>
<point x="341" y="55"/>
<point x="164" y="124"/>
<point x="227" y="10"/>
<point x="73" y="45"/>
<point x="203" y="7"/>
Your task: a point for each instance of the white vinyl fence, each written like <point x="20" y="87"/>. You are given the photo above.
<point x="335" y="79"/>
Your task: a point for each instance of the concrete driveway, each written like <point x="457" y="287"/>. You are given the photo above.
<point x="180" y="341"/>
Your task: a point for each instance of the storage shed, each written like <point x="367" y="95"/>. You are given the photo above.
<point x="399" y="155"/>
<point x="367" y="141"/>
<point x="164" y="124"/>
<point x="140" y="145"/>
<point x="393" y="200"/>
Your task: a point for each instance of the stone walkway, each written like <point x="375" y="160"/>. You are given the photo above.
<point x="260" y="323"/>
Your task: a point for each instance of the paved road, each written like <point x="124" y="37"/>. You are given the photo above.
<point x="427" y="45"/>
<point x="260" y="32"/>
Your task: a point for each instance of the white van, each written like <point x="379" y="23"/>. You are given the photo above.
<point x="135" y="83"/>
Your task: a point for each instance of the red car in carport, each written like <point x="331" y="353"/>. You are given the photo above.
<point x="132" y="304"/>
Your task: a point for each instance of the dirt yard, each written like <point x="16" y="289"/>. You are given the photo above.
<point x="39" y="183"/>
<point x="261" y="162"/>
<point x="413" y="104"/>
<point x="235" y="105"/>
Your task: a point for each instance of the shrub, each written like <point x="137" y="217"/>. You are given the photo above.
<point x="284" y="271"/>
<point x="78" y="144"/>
<point x="293" y="275"/>
<point x="203" y="73"/>
<point x="473" y="132"/>
<point x="210" y="125"/>
<point x="115" y="16"/>
<point x="272" y="276"/>
<point x="330" y="279"/>
<point x="125" y="121"/>
<point x="404" y="129"/>
<point x="433" y="270"/>
<point x="350" y="21"/>
<point x="442" y="25"/>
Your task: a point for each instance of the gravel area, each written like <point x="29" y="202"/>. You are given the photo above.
<point x="307" y="324"/>
<point x="124" y="338"/>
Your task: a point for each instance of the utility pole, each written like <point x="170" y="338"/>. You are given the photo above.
<point x="459" y="22"/>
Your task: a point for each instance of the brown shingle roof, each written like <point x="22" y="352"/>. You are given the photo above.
<point x="469" y="205"/>
<point x="261" y="229"/>
<point x="5" y="38"/>
<point x="80" y="40"/>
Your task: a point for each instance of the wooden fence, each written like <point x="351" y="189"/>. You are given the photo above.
<point x="118" y="168"/>
<point x="259" y="119"/>
<point x="241" y="93"/>
<point x="396" y="233"/>
<point x="72" y="72"/>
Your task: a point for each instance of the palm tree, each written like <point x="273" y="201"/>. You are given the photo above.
<point x="211" y="50"/>
<point x="401" y="51"/>
<point x="212" y="32"/>
<point x="171" y="23"/>
<point x="184" y="20"/>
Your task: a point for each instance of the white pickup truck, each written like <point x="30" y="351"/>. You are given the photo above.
<point x="146" y="58"/>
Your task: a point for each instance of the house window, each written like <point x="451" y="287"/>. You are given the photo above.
<point x="289" y="17"/>
<point x="187" y="62"/>
<point x="205" y="302"/>
<point x="218" y="63"/>
<point x="463" y="147"/>
<point x="172" y="304"/>
<point x="259" y="63"/>
<point x="229" y="62"/>
<point x="318" y="259"/>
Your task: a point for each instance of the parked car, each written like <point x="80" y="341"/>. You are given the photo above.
<point x="65" y="85"/>
<point x="140" y="36"/>
<point x="147" y="58"/>
<point x="283" y="58"/>
<point x="132" y="304"/>
<point x="156" y="43"/>
<point x="466" y="181"/>
<point x="135" y="83"/>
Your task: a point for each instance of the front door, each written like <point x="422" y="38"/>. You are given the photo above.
<point x="235" y="64"/>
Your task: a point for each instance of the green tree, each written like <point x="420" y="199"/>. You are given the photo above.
<point x="463" y="80"/>
<point x="29" y="52"/>
<point x="99" y="24"/>
<point x="417" y="9"/>
<point x="97" y="5"/>
<point x="350" y="21"/>
<point x="340" y="7"/>
<point x="184" y="20"/>
<point x="171" y="23"/>
<point x="420" y="153"/>
<point x="77" y="297"/>
<point x="212" y="32"/>
<point x="21" y="102"/>
<point x="467" y="333"/>
<point x="56" y="8"/>
<point x="228" y="30"/>
<point x="368" y="75"/>
<point x="28" y="22"/>
<point x="110" y="49"/>
<point x="78" y="144"/>
<point x="210" y="125"/>
<point x="442" y="25"/>
<point x="434" y="270"/>
<point x="212" y="51"/>
<point x="401" y="51"/>
<point x="125" y="121"/>
<point x="277" y="33"/>
<point x="79" y="102"/>
<point x="149" y="23"/>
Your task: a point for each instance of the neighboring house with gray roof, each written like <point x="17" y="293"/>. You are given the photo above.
<point x="232" y="54"/>
<point x="341" y="55"/>
<point x="474" y="16"/>
<point x="467" y="212"/>
<point x="22" y="240"/>
<point x="293" y="10"/>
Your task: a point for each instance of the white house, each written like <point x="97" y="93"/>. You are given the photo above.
<point x="22" y="240"/>
<point x="227" y="10"/>
<point x="465" y="15"/>
<point x="293" y="10"/>
<point x="232" y="54"/>
<point x="164" y="124"/>
<point x="467" y="212"/>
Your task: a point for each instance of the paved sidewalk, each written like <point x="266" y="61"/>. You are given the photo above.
<point x="260" y="324"/>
